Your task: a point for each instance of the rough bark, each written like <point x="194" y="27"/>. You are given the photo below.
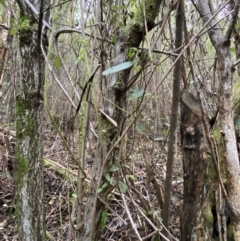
<point x="29" y="136"/>
<point x="4" y="40"/>
<point x="195" y="168"/>
<point x="229" y="152"/>
<point x="128" y="37"/>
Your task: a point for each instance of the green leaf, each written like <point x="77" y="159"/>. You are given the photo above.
<point x="58" y="62"/>
<point x="74" y="195"/>
<point x="119" y="67"/>
<point x="114" y="39"/>
<point x="109" y="178"/>
<point x="13" y="31"/>
<point x="134" y="178"/>
<point x="136" y="93"/>
<point x="233" y="50"/>
<point x="132" y="52"/>
<point x="123" y="187"/>
<point x="102" y="187"/>
<point x="113" y="168"/>
<point x="151" y="212"/>
<point x="25" y="23"/>
<point x="104" y="218"/>
<point x="165" y="132"/>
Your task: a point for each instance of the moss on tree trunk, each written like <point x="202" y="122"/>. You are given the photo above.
<point x="29" y="136"/>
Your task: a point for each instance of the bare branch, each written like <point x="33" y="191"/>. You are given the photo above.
<point x="2" y="26"/>
<point x="232" y="21"/>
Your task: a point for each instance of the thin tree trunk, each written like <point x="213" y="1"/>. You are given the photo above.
<point x="5" y="40"/>
<point x="29" y="136"/>
<point x="174" y="117"/>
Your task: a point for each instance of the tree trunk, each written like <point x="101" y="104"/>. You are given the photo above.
<point x="229" y="152"/>
<point x="29" y="136"/>
<point x="4" y="40"/>
<point x="174" y="118"/>
<point x="195" y="168"/>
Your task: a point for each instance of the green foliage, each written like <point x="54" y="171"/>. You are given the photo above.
<point x="132" y="53"/>
<point x="56" y="59"/>
<point x="3" y="4"/>
<point x="123" y="187"/>
<point x="102" y="187"/>
<point x="134" y="178"/>
<point x="151" y="8"/>
<point x="114" y="39"/>
<point x="135" y="93"/>
<point x="119" y="67"/>
<point x="233" y="50"/>
<point x="49" y="236"/>
<point x="74" y="195"/>
<point x="165" y="132"/>
<point x="23" y="25"/>
<point x="58" y="62"/>
<point x="114" y="168"/>
<point x="151" y="212"/>
<point x="13" y="31"/>
<point x="83" y="55"/>
<point x="109" y="178"/>
<point x="104" y="218"/>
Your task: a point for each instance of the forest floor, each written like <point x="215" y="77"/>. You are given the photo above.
<point x="60" y="192"/>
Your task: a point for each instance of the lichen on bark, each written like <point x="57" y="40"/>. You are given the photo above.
<point x="23" y="167"/>
<point x="29" y="136"/>
<point x="146" y="12"/>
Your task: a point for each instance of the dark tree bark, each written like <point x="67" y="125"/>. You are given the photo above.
<point x="29" y="136"/>
<point x="195" y="167"/>
<point x="174" y="117"/>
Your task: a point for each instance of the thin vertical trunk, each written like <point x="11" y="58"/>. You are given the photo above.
<point x="4" y="40"/>
<point x="29" y="138"/>
<point x="174" y="117"/>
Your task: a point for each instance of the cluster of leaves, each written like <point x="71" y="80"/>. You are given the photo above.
<point x="22" y="24"/>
